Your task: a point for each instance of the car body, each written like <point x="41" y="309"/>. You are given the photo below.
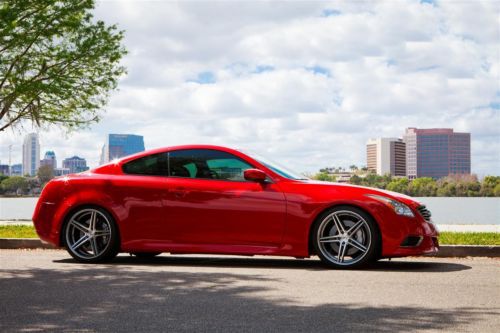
<point x="217" y="200"/>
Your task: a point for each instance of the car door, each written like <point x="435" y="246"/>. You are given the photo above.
<point x="210" y="202"/>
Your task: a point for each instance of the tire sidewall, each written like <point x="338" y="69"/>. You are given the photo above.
<point x="114" y="242"/>
<point x="374" y="242"/>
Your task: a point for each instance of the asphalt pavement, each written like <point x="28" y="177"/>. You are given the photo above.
<point x="46" y="290"/>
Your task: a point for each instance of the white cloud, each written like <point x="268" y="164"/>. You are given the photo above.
<point x="308" y="82"/>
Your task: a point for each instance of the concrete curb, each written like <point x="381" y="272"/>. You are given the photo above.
<point x="468" y="251"/>
<point x="444" y="251"/>
<point x="24" y="243"/>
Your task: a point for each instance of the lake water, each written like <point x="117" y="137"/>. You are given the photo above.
<point x="444" y="210"/>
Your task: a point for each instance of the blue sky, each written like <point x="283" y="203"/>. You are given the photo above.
<point x="306" y="82"/>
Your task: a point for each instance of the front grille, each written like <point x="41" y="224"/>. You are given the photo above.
<point x="426" y="214"/>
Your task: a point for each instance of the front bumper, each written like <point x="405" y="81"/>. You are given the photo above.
<point x="410" y="237"/>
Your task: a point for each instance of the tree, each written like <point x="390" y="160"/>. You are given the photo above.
<point x="57" y="64"/>
<point x="355" y="179"/>
<point x="488" y="185"/>
<point x="399" y="185"/>
<point x="324" y="177"/>
<point x="496" y="191"/>
<point x="423" y="187"/>
<point x="45" y="173"/>
<point x="15" y="183"/>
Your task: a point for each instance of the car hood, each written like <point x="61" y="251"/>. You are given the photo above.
<point x="369" y="190"/>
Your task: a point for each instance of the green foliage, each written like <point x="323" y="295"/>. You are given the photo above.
<point x="356" y="180"/>
<point x="2" y="177"/>
<point x="398" y="185"/>
<point x="469" y="238"/>
<point x="57" y="64"/>
<point x="14" y="184"/>
<point x="490" y="186"/>
<point x="323" y="176"/>
<point x="45" y="173"/>
<point x="496" y="191"/>
<point x="17" y="231"/>
<point x="451" y="186"/>
<point x="423" y="187"/>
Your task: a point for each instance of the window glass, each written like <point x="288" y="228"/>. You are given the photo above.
<point x="154" y="165"/>
<point x="276" y="167"/>
<point x="207" y="164"/>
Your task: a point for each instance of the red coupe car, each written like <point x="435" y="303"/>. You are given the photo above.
<point x="210" y="199"/>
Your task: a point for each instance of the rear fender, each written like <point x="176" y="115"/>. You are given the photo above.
<point x="82" y="198"/>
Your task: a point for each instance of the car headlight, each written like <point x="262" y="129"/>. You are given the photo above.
<point x="399" y="207"/>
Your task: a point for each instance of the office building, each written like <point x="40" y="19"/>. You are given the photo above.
<point x="386" y="156"/>
<point x="75" y="164"/>
<point x="61" y="172"/>
<point x="49" y="159"/>
<point x="31" y="154"/>
<point x="119" y="145"/>
<point x="16" y="170"/>
<point x="4" y="169"/>
<point x="436" y="152"/>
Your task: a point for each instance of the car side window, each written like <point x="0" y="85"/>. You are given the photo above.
<point x="207" y="164"/>
<point x="153" y="165"/>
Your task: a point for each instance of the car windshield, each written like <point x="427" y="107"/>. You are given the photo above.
<point x="276" y="167"/>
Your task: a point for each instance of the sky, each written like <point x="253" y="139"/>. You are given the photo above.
<point x="305" y="83"/>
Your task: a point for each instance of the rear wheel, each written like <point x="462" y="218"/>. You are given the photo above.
<point x="90" y="235"/>
<point x="345" y="237"/>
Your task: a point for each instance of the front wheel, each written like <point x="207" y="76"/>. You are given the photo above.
<point x="345" y="237"/>
<point x="90" y="235"/>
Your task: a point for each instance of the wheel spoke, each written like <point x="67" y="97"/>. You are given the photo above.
<point x="330" y="239"/>
<point x="93" y="244"/>
<point x="338" y="223"/>
<point x="101" y="233"/>
<point x="93" y="218"/>
<point x="80" y="242"/>
<point x="357" y="245"/>
<point x="79" y="226"/>
<point x="341" y="254"/>
<point x="355" y="227"/>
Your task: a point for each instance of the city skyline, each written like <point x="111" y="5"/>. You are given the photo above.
<point x="426" y="148"/>
<point x="306" y="84"/>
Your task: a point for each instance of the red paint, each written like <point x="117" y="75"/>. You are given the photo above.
<point x="189" y="215"/>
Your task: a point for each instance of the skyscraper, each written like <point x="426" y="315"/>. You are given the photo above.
<point x="49" y="159"/>
<point x="436" y="152"/>
<point x="75" y="164"/>
<point x="386" y="156"/>
<point x="119" y="145"/>
<point x="31" y="154"/>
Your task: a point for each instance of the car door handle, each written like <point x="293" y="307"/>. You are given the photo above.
<point x="179" y="192"/>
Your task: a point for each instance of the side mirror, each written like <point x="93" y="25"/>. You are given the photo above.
<point x="255" y="175"/>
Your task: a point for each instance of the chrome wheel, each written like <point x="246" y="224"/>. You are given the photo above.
<point x="88" y="234"/>
<point x="344" y="238"/>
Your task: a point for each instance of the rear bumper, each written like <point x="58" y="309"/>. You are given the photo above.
<point x="43" y="220"/>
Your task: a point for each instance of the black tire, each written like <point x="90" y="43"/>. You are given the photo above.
<point x="104" y="237"/>
<point x="358" y="241"/>
<point x="145" y="255"/>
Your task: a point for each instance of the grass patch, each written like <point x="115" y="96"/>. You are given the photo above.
<point x="17" y="231"/>
<point x="446" y="238"/>
<point x="469" y="238"/>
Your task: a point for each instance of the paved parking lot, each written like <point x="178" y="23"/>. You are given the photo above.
<point x="45" y="290"/>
